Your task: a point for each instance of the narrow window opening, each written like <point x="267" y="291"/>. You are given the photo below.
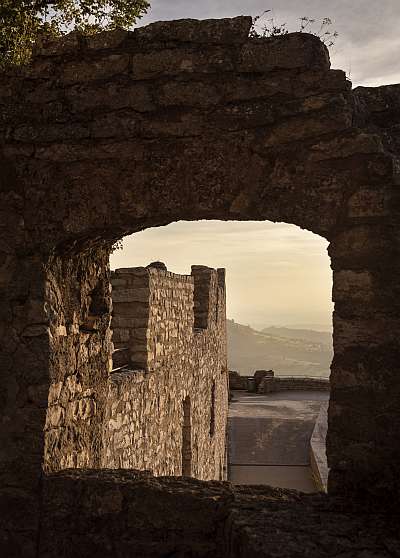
<point x="187" y="439"/>
<point x="278" y="341"/>
<point x="212" y="413"/>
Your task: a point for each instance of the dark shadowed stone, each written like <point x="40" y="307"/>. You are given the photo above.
<point x="210" y="31"/>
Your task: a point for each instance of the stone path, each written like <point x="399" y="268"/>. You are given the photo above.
<point x="269" y="438"/>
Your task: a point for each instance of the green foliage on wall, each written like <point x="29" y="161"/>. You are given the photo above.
<point x="22" y="21"/>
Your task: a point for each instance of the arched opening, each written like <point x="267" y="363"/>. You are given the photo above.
<point x="279" y="280"/>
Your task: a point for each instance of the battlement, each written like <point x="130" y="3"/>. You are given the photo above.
<point x="156" y="311"/>
<point x="166" y="407"/>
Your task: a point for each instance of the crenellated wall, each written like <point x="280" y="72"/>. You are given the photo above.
<point x="169" y="362"/>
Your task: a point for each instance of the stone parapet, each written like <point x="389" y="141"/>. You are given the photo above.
<point x="265" y="381"/>
<point x="293" y="383"/>
<point x="173" y="327"/>
<point x="130" y="513"/>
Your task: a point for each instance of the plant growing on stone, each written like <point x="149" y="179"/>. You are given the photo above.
<point x="118" y="245"/>
<point x="22" y="21"/>
<point x="268" y="27"/>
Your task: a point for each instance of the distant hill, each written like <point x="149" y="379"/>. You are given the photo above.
<point x="287" y="351"/>
<point x="324" y="337"/>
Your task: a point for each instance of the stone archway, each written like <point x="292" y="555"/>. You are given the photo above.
<point x="108" y="135"/>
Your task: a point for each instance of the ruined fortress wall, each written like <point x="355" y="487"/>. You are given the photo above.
<point x="182" y="366"/>
<point x="107" y="135"/>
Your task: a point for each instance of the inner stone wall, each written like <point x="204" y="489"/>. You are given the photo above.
<point x="145" y="408"/>
<point x="78" y="302"/>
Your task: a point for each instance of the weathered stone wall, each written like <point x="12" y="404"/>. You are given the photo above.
<point x="107" y="135"/>
<point x="154" y="312"/>
<point x="318" y="461"/>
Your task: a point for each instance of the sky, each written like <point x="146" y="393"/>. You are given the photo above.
<point x="277" y="274"/>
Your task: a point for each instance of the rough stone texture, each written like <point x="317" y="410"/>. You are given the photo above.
<point x="105" y="136"/>
<point x="236" y="381"/>
<point x="117" y="513"/>
<point x="144" y="422"/>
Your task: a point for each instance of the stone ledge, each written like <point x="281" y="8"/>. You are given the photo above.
<point x="112" y="513"/>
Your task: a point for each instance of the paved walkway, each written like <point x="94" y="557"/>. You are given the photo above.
<point x="269" y="438"/>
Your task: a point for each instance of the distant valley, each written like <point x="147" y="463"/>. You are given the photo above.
<point x="284" y="350"/>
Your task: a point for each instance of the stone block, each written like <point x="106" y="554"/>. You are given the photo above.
<point x="99" y="69"/>
<point x="117" y="281"/>
<point x="46" y="46"/>
<point x="36" y="330"/>
<point x="293" y="51"/>
<point x="129" y="322"/>
<point x="139" y="357"/>
<point x="131" y="295"/>
<point x="209" y="31"/>
<point x="138" y="271"/>
<point x="135" y="97"/>
<point x="107" y="39"/>
<point x="185" y="61"/>
<point x="55" y="416"/>
<point x="342" y="147"/>
<point x="131" y="309"/>
<point x="362" y="247"/>
<point x="121" y="335"/>
<point x="190" y="94"/>
<point x="299" y="128"/>
<point x="368" y="332"/>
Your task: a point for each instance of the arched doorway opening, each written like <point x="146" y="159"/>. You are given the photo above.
<point x="277" y="276"/>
